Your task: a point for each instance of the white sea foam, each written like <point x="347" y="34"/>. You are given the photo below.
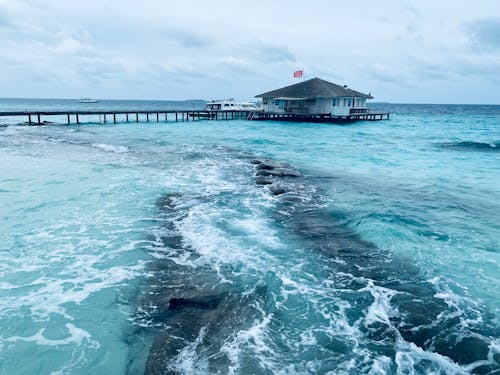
<point x="111" y="148"/>
<point x="76" y="336"/>
<point x="409" y="355"/>
<point x="254" y="338"/>
<point x="188" y="361"/>
<point x="380" y="310"/>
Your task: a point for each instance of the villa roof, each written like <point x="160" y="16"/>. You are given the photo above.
<point x="314" y="88"/>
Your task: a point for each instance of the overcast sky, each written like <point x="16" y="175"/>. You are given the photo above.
<point x="445" y="51"/>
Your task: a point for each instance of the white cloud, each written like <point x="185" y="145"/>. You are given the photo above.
<point x="484" y="33"/>
<point x="231" y="60"/>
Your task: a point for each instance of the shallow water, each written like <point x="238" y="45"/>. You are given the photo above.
<point x="382" y="258"/>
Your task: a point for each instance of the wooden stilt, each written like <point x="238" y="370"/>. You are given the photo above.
<point x="114" y="118"/>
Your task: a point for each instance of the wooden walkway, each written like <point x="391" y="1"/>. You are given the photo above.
<point x="40" y="117"/>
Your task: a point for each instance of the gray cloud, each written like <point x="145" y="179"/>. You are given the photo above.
<point x="484" y="34"/>
<point x="4" y="19"/>
<point x="186" y="38"/>
<point x="411" y="28"/>
<point x="269" y="52"/>
<point x="412" y="10"/>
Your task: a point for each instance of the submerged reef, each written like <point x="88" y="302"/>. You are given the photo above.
<point x="188" y="312"/>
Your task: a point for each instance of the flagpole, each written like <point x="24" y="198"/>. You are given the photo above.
<point x="303" y="81"/>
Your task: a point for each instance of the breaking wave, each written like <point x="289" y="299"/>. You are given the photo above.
<point x="472" y="146"/>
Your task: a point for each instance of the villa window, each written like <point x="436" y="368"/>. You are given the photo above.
<point x="276" y="102"/>
<point x="264" y="101"/>
<point x="334" y="102"/>
<point x="311" y="101"/>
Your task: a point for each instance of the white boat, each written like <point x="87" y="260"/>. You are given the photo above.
<point x="230" y="105"/>
<point x="87" y="100"/>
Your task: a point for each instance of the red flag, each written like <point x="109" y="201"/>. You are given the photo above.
<point x="298" y="74"/>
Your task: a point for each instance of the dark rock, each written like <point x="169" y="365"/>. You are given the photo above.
<point x="269" y="164"/>
<point x="278" y="172"/>
<point x="263" y="181"/>
<point x="276" y="189"/>
<point x="464" y="350"/>
<point x="168" y="201"/>
<point x="264" y="166"/>
<point x="233" y="313"/>
<point x="204" y="302"/>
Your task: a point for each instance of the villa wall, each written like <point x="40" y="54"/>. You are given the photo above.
<point x="342" y="106"/>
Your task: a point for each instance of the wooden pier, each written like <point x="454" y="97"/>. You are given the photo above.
<point x="40" y="117"/>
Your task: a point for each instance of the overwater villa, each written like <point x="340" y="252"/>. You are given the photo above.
<point x="315" y="96"/>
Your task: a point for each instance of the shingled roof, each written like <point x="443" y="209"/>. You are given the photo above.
<point x="313" y="88"/>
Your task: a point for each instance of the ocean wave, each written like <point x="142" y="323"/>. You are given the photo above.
<point x="110" y="148"/>
<point x="472" y="146"/>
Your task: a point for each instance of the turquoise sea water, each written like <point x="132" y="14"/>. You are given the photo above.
<point x="383" y="257"/>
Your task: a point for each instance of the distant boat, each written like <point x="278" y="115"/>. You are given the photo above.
<point x="88" y="100"/>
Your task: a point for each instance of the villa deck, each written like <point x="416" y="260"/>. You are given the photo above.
<point x="319" y="118"/>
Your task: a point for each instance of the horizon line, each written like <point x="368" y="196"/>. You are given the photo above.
<point x="207" y="100"/>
